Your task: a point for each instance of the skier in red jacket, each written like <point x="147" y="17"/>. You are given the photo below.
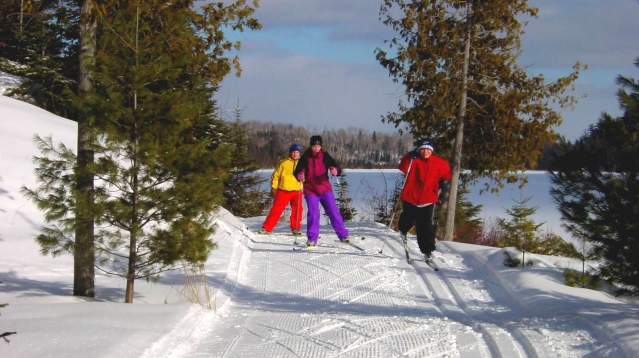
<point x="424" y="171"/>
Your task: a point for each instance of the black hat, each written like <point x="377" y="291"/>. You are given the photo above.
<point x="424" y="143"/>
<point x="316" y="140"/>
<point x="427" y="144"/>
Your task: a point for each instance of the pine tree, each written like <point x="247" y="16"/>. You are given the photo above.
<point x="242" y="194"/>
<point x="39" y="42"/>
<point x="468" y="225"/>
<point x="457" y="61"/>
<point x="520" y="230"/>
<point x="160" y="165"/>
<point x="344" y="202"/>
<point x="596" y="186"/>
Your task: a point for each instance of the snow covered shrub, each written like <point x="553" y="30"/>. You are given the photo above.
<point x="512" y="258"/>
<point x="522" y="232"/>
<point x="574" y="278"/>
<point x="510" y="261"/>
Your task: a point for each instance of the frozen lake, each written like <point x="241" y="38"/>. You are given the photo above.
<point x="365" y="184"/>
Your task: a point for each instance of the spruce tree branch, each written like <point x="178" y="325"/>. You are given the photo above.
<point x="157" y="183"/>
<point x="146" y="219"/>
<point x="146" y="264"/>
<point x="159" y="272"/>
<point x="144" y="253"/>
<point x="480" y="107"/>
<point x="103" y="249"/>
<point x="109" y="272"/>
<point x="116" y="222"/>
<point x="106" y="24"/>
<point x="117" y="186"/>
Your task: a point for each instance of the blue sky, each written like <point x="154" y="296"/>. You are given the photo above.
<point x="313" y="62"/>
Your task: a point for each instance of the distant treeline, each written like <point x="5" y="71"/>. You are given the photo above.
<point x="352" y="147"/>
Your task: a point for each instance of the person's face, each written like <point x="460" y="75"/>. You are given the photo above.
<point x="425" y="153"/>
<point x="295" y="155"/>
<point x="316" y="148"/>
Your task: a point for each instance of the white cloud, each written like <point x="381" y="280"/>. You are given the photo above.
<point x="289" y="77"/>
<point x="598" y="33"/>
<point x="311" y="92"/>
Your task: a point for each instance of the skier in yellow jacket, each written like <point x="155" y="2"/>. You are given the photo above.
<point x="286" y="189"/>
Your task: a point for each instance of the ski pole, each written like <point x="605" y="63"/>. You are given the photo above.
<point x="410" y="165"/>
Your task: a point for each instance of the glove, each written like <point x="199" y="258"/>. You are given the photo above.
<point x="443" y="198"/>
<point x="414" y="154"/>
<point x="273" y="192"/>
<point x="300" y="176"/>
<point x="444" y="187"/>
<point x="333" y="171"/>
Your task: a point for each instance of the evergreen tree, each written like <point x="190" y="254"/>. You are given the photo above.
<point x="242" y="194"/>
<point x="468" y="225"/>
<point x="457" y="61"/>
<point x="344" y="202"/>
<point x="519" y="230"/>
<point x="39" y="42"/>
<point x="596" y="186"/>
<point x="390" y="207"/>
<point x="160" y="166"/>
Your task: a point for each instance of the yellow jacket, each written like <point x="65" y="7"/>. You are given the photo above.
<point x="283" y="177"/>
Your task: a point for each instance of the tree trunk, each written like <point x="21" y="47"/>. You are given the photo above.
<point x="130" y="276"/>
<point x="135" y="225"/>
<point x="84" y="249"/>
<point x="459" y="139"/>
<point x="21" y="18"/>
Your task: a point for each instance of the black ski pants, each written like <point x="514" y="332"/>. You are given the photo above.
<point x="422" y="219"/>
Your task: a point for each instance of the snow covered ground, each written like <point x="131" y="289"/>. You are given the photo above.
<point x="337" y="301"/>
<point x="273" y="301"/>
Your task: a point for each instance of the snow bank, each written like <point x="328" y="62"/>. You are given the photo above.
<point x="539" y="291"/>
<point x="20" y="219"/>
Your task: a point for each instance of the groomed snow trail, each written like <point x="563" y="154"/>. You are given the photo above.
<point x="336" y="301"/>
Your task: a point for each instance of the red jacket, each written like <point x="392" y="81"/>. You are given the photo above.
<point x="422" y="183"/>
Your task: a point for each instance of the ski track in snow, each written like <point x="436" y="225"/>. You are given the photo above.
<point x="331" y="302"/>
<point x="489" y="301"/>
<point x="336" y="301"/>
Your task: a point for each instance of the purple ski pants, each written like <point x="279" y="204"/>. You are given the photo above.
<point x="327" y="200"/>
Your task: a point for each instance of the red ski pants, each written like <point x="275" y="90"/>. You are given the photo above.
<point x="282" y="198"/>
